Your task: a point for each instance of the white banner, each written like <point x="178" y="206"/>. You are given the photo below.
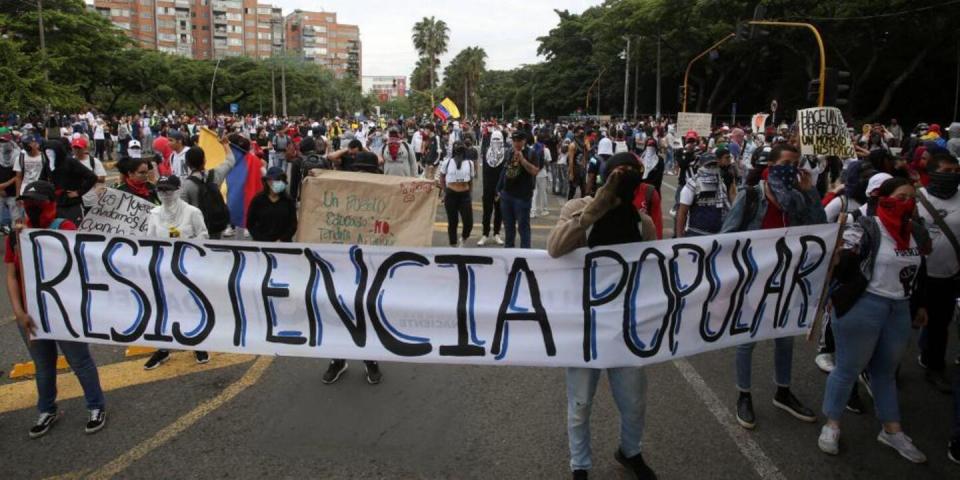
<point x="632" y="304"/>
<point x="118" y="213"/>
<point x="698" y="122"/>
<point x="758" y="123"/>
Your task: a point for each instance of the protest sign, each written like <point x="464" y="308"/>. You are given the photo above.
<point x="823" y="132"/>
<point x="758" y="122"/>
<point x="118" y="213"/>
<point x="367" y="209"/>
<point x="698" y="122"/>
<point x="624" y="305"/>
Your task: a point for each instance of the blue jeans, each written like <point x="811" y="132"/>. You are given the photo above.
<point x="629" y="388"/>
<point x="872" y="336"/>
<point x="668" y="163"/>
<point x="516" y="216"/>
<point x="44" y="355"/>
<point x="9" y="213"/>
<point x="782" y="363"/>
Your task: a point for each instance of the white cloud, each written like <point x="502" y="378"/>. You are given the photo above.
<point x="506" y="29"/>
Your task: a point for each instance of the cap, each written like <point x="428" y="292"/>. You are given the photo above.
<point x="133" y="144"/>
<point x="518" y="135"/>
<point x="692" y="134"/>
<point x="275" y="173"/>
<point x="38" y="190"/>
<point x="721" y="152"/>
<point x="5" y="134"/>
<point x="876" y="181"/>
<point x="80" y="143"/>
<point x="168" y="183"/>
<point x="175" y="135"/>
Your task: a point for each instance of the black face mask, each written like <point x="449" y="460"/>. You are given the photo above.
<point x="629" y="182"/>
<point x="34" y="213"/>
<point x="943" y="184"/>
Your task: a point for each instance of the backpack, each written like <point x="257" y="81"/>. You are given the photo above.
<point x="216" y="215"/>
<point x="315" y="160"/>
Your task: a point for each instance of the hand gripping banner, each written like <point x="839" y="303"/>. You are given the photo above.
<point x="633" y="304"/>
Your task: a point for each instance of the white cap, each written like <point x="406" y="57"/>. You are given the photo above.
<point x="133" y="144"/>
<point x="876" y="180"/>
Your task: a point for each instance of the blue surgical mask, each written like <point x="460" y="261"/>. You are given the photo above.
<point x="278" y="187"/>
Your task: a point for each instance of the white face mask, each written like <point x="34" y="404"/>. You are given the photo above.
<point x="168" y="197"/>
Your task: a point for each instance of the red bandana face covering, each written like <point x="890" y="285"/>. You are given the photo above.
<point x="895" y="215"/>
<point x="394" y="147"/>
<point x="138" y="187"/>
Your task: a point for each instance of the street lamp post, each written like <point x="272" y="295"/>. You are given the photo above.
<point x="212" y="82"/>
<point x="658" y="75"/>
<point x="686" y="76"/>
<point x="626" y="78"/>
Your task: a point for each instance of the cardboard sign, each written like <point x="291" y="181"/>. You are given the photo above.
<point x="118" y="213"/>
<point x="698" y="122"/>
<point x="823" y="132"/>
<point x="367" y="209"/>
<point x="758" y="122"/>
<point x="617" y="306"/>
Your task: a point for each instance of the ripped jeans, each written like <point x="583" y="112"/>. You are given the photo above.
<point x="629" y="388"/>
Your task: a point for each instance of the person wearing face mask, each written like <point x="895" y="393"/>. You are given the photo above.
<point x="785" y="197"/>
<point x="704" y="200"/>
<point x="652" y="164"/>
<point x="608" y="219"/>
<point x="456" y="181"/>
<point x="41" y="212"/>
<point x="515" y="187"/>
<point x="879" y="267"/>
<point x="134" y="175"/>
<point x="940" y="208"/>
<point x="397" y="156"/>
<point x="272" y="214"/>
<point x="174" y="218"/>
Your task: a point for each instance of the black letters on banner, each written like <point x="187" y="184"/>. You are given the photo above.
<point x="463" y="348"/>
<point x="538" y="314"/>
<point x="776" y="284"/>
<point x="630" y="301"/>
<point x="136" y="330"/>
<point x="80" y="241"/>
<point x="593" y="299"/>
<point x="358" y="330"/>
<point x="416" y="346"/>
<point x="270" y="290"/>
<point x="159" y="292"/>
<point x="48" y="286"/>
<point x="801" y="272"/>
<point x="208" y="315"/>
<point x="236" y="273"/>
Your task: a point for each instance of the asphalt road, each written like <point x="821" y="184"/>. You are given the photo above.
<point x="273" y="418"/>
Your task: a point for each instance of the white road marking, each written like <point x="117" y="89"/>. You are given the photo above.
<point x="759" y="460"/>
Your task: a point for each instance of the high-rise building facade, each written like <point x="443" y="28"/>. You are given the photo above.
<point x="384" y="87"/>
<point x="208" y="29"/>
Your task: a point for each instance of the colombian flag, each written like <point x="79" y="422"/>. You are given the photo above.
<point x="243" y="183"/>
<point x="447" y="109"/>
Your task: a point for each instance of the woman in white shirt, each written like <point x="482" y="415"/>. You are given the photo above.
<point x="539" y="205"/>
<point x="456" y="180"/>
<point x="879" y="265"/>
<point x="174" y="218"/>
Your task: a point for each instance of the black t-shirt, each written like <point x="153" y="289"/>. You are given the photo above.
<point x="516" y="180"/>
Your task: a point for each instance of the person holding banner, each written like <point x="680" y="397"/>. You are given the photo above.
<point x="41" y="212"/>
<point x="174" y="218"/>
<point x="879" y="267"/>
<point x="608" y="219"/>
<point x="785" y="197"/>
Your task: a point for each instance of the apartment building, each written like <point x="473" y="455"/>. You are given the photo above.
<point x="384" y="87"/>
<point x="208" y="29"/>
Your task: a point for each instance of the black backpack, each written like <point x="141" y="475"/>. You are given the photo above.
<point x="216" y="215"/>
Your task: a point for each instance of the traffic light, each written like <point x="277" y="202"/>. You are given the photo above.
<point x="394" y="83"/>
<point x="743" y="31"/>
<point x="837" y="91"/>
<point x="813" y="91"/>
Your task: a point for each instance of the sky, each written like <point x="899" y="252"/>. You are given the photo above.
<point x="506" y="29"/>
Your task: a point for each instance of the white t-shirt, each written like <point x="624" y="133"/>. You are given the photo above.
<point x="547" y="159"/>
<point x="31" y="167"/>
<point x="98" y="133"/>
<point x="90" y="198"/>
<point x="833" y="208"/>
<point x="686" y="196"/>
<point x="178" y="163"/>
<point x="452" y="174"/>
<point x="894" y="271"/>
<point x="188" y="221"/>
<point x="942" y="261"/>
<point x="620" y="146"/>
<point x="417" y="142"/>
<point x="605" y="146"/>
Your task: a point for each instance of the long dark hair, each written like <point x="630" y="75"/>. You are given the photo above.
<point x="459" y="152"/>
<point x="886" y="189"/>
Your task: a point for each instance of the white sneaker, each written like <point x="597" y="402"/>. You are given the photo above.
<point x="533" y="215"/>
<point x="829" y="441"/>
<point x="903" y="445"/>
<point x="825" y="362"/>
<point x="482" y="241"/>
<point x="498" y="239"/>
<point x="228" y="232"/>
<point x="673" y="212"/>
<point x="460" y="243"/>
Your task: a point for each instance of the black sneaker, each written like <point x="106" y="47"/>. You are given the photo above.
<point x="158" y="358"/>
<point x="854" y="404"/>
<point x="786" y="401"/>
<point x="334" y="371"/>
<point x="580" y="475"/>
<point x="745" y="415"/>
<point x="953" y="451"/>
<point x="373" y="372"/>
<point x="635" y="466"/>
<point x="865" y="380"/>
<point x="202" y="357"/>
<point x="98" y="419"/>
<point x="44" y="423"/>
<point x="938" y="381"/>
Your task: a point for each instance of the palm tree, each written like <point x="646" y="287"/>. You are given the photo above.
<point x="474" y="64"/>
<point x="430" y="38"/>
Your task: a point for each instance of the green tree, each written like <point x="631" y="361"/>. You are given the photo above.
<point x="430" y="38"/>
